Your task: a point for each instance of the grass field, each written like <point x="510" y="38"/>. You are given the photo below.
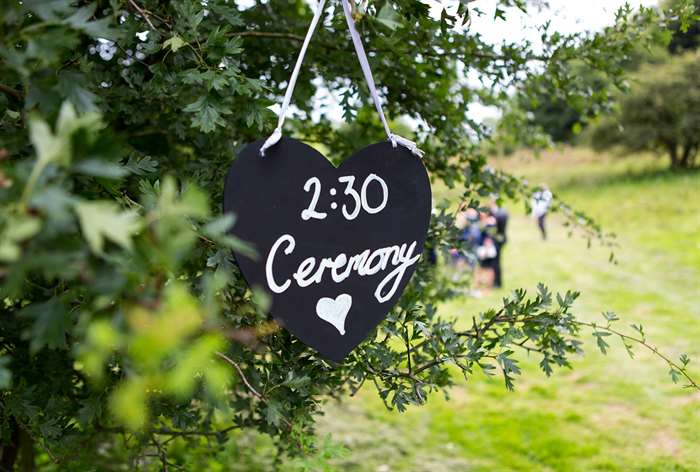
<point x="609" y="412"/>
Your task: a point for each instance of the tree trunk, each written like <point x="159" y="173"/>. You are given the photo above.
<point x="692" y="151"/>
<point x="26" y="452"/>
<point x="9" y="453"/>
<point x="673" y="153"/>
<point x="21" y="447"/>
<point x="687" y="159"/>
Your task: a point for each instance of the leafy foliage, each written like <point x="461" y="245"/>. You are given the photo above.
<point x="128" y="334"/>
<point x="544" y="110"/>
<point x="660" y="114"/>
<point x="686" y="34"/>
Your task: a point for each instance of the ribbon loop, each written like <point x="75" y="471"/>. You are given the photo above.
<point x="277" y="134"/>
<point x="407" y="143"/>
<point x="366" y="71"/>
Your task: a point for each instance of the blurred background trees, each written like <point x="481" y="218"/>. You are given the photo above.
<point x="661" y="113"/>
<point x="631" y="113"/>
<point x="684" y="37"/>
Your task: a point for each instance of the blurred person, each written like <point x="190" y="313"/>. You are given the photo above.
<point x="457" y="256"/>
<point x="487" y="253"/>
<point x="463" y="257"/>
<point x="501" y="216"/>
<point x="471" y="234"/>
<point x="541" y="200"/>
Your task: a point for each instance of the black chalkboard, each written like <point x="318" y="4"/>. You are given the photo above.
<point x="336" y="246"/>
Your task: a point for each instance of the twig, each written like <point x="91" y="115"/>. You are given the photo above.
<point x="10" y="91"/>
<point x="430" y="53"/>
<point x="143" y="14"/>
<point x="269" y="34"/>
<point x="168" y="432"/>
<point x="357" y="388"/>
<point x="250" y="387"/>
<point x="522" y="345"/>
<point x="408" y="347"/>
<point x="162" y="455"/>
<point x="240" y="373"/>
<point x="653" y="349"/>
<point x="42" y="442"/>
<point x="171" y="432"/>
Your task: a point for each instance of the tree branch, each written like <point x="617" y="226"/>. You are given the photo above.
<point x="143" y="13"/>
<point x="269" y="34"/>
<point x="174" y="433"/>
<point x="240" y="373"/>
<point x="429" y="53"/>
<point x="11" y="92"/>
<point x="682" y="370"/>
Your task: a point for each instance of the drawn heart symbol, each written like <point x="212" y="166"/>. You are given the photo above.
<point x="357" y="230"/>
<point x="335" y="310"/>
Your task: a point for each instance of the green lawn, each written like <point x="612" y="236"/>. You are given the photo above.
<point x="609" y="412"/>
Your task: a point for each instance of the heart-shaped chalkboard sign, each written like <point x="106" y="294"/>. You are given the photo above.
<point x="336" y="246"/>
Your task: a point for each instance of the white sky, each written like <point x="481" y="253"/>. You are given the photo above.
<point x="567" y="16"/>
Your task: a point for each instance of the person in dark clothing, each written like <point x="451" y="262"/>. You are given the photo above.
<point x="486" y="253"/>
<point x="432" y="256"/>
<point x="500" y="238"/>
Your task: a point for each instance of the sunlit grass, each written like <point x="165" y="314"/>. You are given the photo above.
<point x="609" y="412"/>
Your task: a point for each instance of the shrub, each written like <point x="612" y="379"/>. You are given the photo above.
<point x="128" y="335"/>
<point x="661" y="113"/>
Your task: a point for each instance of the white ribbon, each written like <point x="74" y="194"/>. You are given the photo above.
<point x="277" y="134"/>
<point x="366" y="70"/>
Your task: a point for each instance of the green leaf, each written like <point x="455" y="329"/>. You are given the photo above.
<point x="5" y="372"/>
<point x="546" y="366"/>
<point x="22" y="228"/>
<point x="73" y="87"/>
<point x="101" y="340"/>
<point x="600" y="341"/>
<point x="49" y="9"/>
<point x="174" y="43"/>
<point x="640" y="329"/>
<point x="56" y="148"/>
<point x="48" y="147"/>
<point x="675" y="375"/>
<point x="191" y="202"/>
<point x="18" y="229"/>
<point x="51" y="323"/>
<point x="9" y="252"/>
<point x="296" y="382"/>
<point x="128" y="403"/>
<point x="54" y="203"/>
<point x="273" y="413"/>
<point x="92" y="409"/>
<point x="100" y="168"/>
<point x="389" y="17"/>
<point x="100" y="28"/>
<point x="229" y="13"/>
<point x="192" y="363"/>
<point x="207" y="114"/>
<point x="103" y="220"/>
<point x="219" y="226"/>
<point x="143" y="166"/>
